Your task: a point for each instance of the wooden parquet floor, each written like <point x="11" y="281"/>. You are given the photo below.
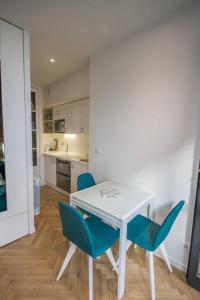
<point x="28" y="267"/>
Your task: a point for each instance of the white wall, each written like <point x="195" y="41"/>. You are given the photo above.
<point x="70" y="88"/>
<point x="144" y="96"/>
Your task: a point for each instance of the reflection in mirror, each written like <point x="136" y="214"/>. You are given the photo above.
<point x="3" y="201"/>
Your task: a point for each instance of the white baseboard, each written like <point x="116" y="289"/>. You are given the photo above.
<point x="174" y="262"/>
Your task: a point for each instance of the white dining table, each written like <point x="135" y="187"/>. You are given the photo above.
<point x="116" y="212"/>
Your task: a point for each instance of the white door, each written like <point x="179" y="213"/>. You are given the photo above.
<point x="17" y="220"/>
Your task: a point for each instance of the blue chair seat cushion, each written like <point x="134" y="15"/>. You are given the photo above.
<point x="142" y="231"/>
<point x="103" y="236"/>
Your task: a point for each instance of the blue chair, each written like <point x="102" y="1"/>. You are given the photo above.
<point x="85" y="181"/>
<point x="90" y="235"/>
<point x="150" y="236"/>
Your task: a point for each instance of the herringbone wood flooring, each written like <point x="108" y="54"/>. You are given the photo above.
<point x="28" y="267"/>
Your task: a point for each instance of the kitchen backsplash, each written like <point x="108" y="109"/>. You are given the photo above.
<point x="77" y="144"/>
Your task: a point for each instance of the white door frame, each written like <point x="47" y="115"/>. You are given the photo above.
<point x="38" y="139"/>
<point x="27" y="97"/>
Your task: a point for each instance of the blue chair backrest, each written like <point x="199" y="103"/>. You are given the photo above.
<point x="167" y="223"/>
<point x="85" y="181"/>
<point x="75" y="228"/>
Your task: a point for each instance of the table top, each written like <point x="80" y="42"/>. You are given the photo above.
<point x="130" y="201"/>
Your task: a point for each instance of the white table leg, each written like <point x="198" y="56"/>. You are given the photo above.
<point x="122" y="259"/>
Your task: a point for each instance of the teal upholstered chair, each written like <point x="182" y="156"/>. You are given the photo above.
<point x="85" y="181"/>
<point x="150" y="236"/>
<point x="90" y="235"/>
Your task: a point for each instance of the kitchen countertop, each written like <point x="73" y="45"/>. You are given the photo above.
<point x="65" y="156"/>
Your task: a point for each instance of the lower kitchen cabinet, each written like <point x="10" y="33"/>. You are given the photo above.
<point x="50" y="170"/>
<point x="76" y="169"/>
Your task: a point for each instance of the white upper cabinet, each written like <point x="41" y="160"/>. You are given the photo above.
<point x="59" y="112"/>
<point x="75" y="114"/>
<point x="69" y="118"/>
<point x="56" y="113"/>
<point x="78" y="117"/>
<point x="82" y="117"/>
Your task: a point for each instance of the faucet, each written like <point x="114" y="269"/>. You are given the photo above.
<point x="67" y="148"/>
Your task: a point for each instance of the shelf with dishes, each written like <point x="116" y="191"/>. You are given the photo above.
<point x="34" y="129"/>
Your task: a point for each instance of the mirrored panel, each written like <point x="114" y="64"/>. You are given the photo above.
<point x="3" y="199"/>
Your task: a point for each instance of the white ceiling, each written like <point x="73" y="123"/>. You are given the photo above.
<point x="72" y="30"/>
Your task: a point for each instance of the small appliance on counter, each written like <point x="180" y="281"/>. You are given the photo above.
<point x="54" y="145"/>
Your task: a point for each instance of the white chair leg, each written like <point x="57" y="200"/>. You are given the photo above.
<point x="112" y="260"/>
<point x="90" y="278"/>
<point x="69" y="255"/>
<point x="128" y="244"/>
<point x="151" y="273"/>
<point x="164" y="253"/>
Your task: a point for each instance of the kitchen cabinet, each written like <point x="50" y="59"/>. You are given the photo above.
<point x="50" y="170"/>
<point x="69" y="118"/>
<point x="77" y="117"/>
<point x="57" y="112"/>
<point x="76" y="169"/>
<point x="75" y="114"/>
<point x="81" y="117"/>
